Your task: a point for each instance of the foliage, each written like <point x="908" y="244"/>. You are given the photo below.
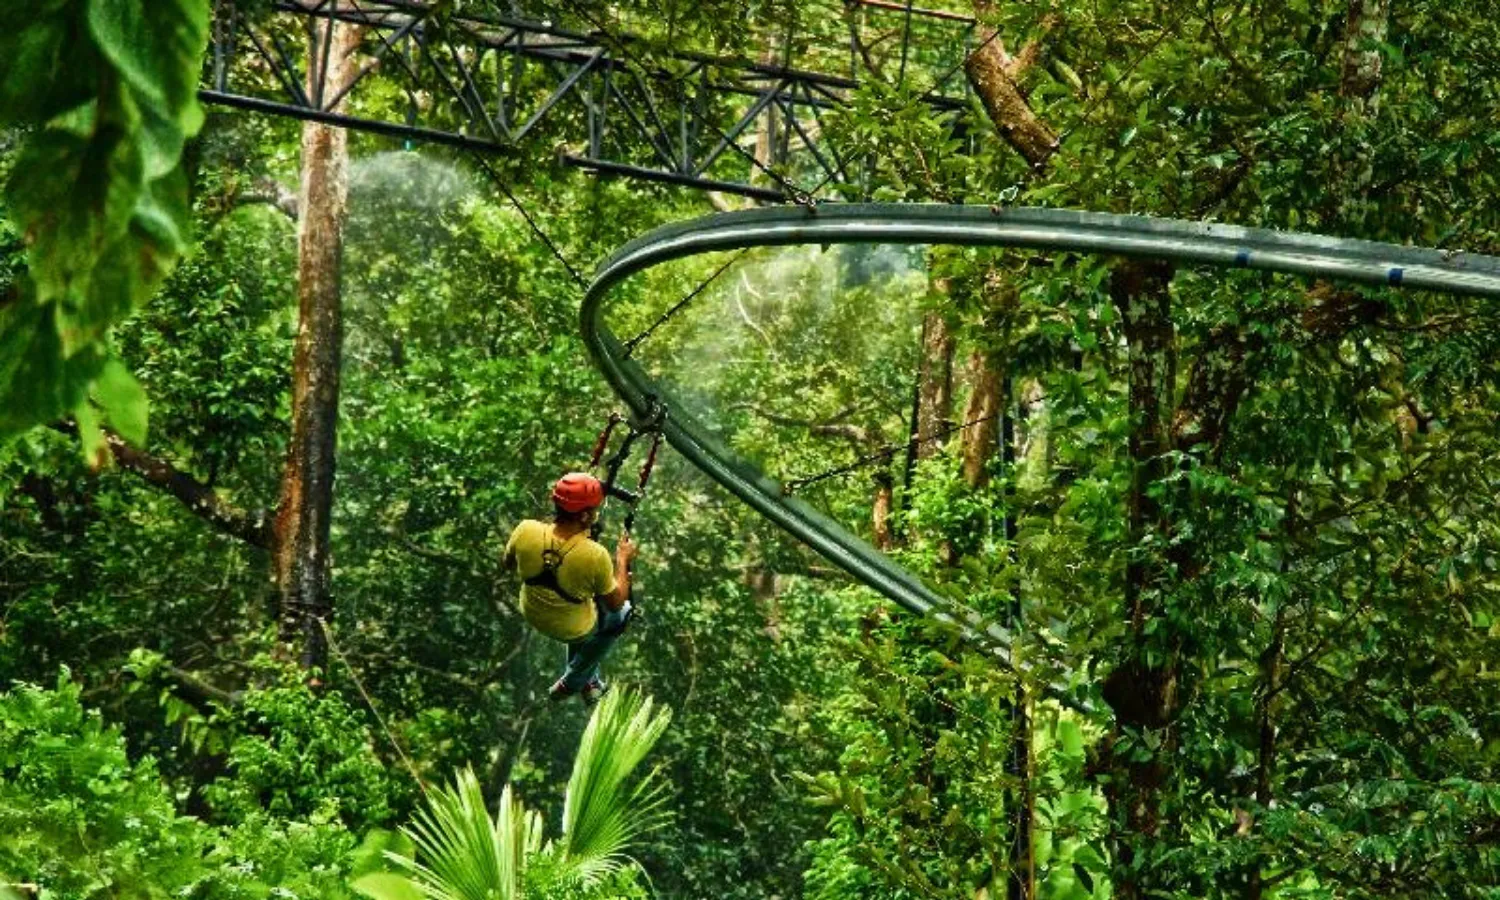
<point x="76" y="815"/>
<point x="81" y="820"/>
<point x="99" y="193"/>
<point x="462" y="853"/>
<point x="1322" y="578"/>
<point x="299" y="756"/>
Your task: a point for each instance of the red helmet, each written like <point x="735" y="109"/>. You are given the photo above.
<point x="577" y="491"/>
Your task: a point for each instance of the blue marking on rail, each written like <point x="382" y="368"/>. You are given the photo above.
<point x="1393" y="276"/>
<point x="1242" y="258"/>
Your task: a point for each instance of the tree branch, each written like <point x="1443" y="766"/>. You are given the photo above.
<point x="1032" y="52"/>
<point x="200" y="691"/>
<point x="273" y="193"/>
<point x="477" y="572"/>
<point x="718" y="201"/>
<point x="1333" y="313"/>
<point x="993" y="74"/>
<point x="850" y="432"/>
<point x="254" y="528"/>
<point x="745" y="314"/>
<point x="1216" y="384"/>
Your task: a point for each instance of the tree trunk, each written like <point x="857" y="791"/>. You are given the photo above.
<point x="769" y="130"/>
<point x="1359" y="83"/>
<point x="1265" y="714"/>
<point x="1142" y="693"/>
<point x="1365" y="24"/>
<point x="994" y="76"/>
<point x="881" y="514"/>
<point x="1022" y="882"/>
<point x="983" y="409"/>
<point x="935" y="391"/>
<point x="1022" y="885"/>
<point x="766" y="592"/>
<point x="301" y="554"/>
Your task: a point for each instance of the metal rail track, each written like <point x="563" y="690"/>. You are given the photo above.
<point x="1139" y="236"/>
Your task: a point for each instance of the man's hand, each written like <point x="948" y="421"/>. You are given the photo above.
<point x="624" y="553"/>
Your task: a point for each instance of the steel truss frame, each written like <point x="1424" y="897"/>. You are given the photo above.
<point x="498" y="83"/>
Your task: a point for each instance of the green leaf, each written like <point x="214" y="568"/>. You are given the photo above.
<point x="74" y="218"/>
<point x="1069" y="75"/>
<point x="1070" y="738"/>
<point x="370" y="856"/>
<point x="1083" y="876"/>
<point x="49" y="60"/>
<point x="95" y="449"/>
<point x="37" y="383"/>
<point x="160" y="215"/>
<point x="385" y="886"/>
<point x="157" y="47"/>
<point x="122" y="401"/>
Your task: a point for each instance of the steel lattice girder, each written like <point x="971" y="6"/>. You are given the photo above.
<point x="489" y="83"/>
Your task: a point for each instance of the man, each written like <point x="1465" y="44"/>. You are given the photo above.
<point x="570" y="591"/>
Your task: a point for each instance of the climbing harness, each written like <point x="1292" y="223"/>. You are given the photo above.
<point x="552" y="560"/>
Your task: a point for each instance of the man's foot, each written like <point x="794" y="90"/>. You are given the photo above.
<point x="593" y="692"/>
<point x="560" y="691"/>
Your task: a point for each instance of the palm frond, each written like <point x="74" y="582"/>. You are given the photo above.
<point x="466" y="855"/>
<point x="603" y="814"/>
<point x="461" y="853"/>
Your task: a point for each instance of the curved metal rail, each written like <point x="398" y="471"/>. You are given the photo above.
<point x="1191" y="242"/>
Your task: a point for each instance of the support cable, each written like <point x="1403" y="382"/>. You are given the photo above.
<point x="884" y="453"/>
<point x="678" y="307"/>
<point x="354" y="676"/>
<point x="535" y="228"/>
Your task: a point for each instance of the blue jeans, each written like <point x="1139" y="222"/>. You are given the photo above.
<point x="586" y="653"/>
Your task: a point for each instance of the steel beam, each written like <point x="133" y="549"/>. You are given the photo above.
<point x="492" y="82"/>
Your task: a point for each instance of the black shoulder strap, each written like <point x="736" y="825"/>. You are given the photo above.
<point x="552" y="559"/>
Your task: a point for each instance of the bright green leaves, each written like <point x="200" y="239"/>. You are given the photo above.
<point x="38" y="382"/>
<point x="78" y="815"/>
<point x="385" y="886"/>
<point x="465" y="853"/>
<point x="98" y="194"/>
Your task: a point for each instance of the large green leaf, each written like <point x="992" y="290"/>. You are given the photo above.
<point x="157" y="48"/>
<point x="37" y="383"/>
<point x="122" y="401"/>
<point x="48" y="60"/>
<point x="386" y="886"/>
<point x="604" y="812"/>
<point x="75" y="218"/>
<point x="372" y="853"/>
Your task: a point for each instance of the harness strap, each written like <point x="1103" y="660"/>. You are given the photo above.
<point x="552" y="560"/>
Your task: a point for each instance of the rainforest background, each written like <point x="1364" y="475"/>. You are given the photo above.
<point x="1250" y="523"/>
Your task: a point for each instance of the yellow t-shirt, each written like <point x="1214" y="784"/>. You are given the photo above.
<point x="585" y="572"/>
